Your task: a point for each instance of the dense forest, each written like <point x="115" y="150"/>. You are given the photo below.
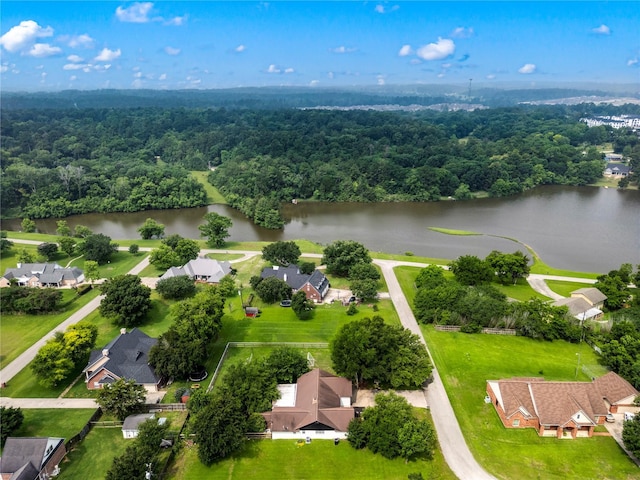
<point x="61" y="162"/>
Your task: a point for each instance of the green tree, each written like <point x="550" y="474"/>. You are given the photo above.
<point x="286" y="364"/>
<point x="509" y="266"/>
<point x="52" y="365"/>
<point x="383" y="423"/>
<point x="430" y="277"/>
<point x="220" y="429"/>
<point x="176" y="288"/>
<point x="5" y="245"/>
<point x="341" y="255"/>
<point x="631" y="435"/>
<point x="302" y="307"/>
<point x="27" y="225"/>
<point x="164" y="257"/>
<point x="417" y="438"/>
<point x="134" y="248"/>
<point x="48" y="250"/>
<point x="126" y="300"/>
<point x="91" y="270"/>
<point x="370" y="351"/>
<point x="10" y="420"/>
<point x="272" y="289"/>
<point x="150" y="228"/>
<point x="253" y="384"/>
<point x="281" y="253"/>
<point x="366" y="289"/>
<point x="130" y="465"/>
<point x="307" y="267"/>
<point x="98" y="247"/>
<point x="364" y="271"/>
<point x="121" y="398"/>
<point x="470" y="270"/>
<point x="63" y="229"/>
<point x="186" y="250"/>
<point x="216" y="229"/>
<point x="227" y="287"/>
<point x="80" y="231"/>
<point x="67" y="245"/>
<point x="615" y="289"/>
<point x="25" y="256"/>
<point x="463" y="192"/>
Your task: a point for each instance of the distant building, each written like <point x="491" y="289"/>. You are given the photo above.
<point x="315" y="286"/>
<point x="584" y="303"/>
<point x="127" y="357"/>
<point x="131" y="424"/>
<point x="42" y="275"/>
<point x="617" y="170"/>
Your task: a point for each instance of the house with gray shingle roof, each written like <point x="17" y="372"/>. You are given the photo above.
<point x="127" y="357"/>
<point x="201" y="269"/>
<point x="31" y="458"/>
<point x="584" y="303"/>
<point x="617" y="170"/>
<point x="318" y="405"/>
<point x="557" y="409"/>
<point x="315" y="286"/>
<point x="42" y="275"/>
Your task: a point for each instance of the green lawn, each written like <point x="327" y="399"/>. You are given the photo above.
<point x="92" y="457"/>
<point x="466" y="362"/>
<point x="564" y="288"/>
<point x="319" y="460"/>
<point x="213" y="195"/>
<point x="53" y="422"/>
<point x="450" y="231"/>
<point x="120" y="264"/>
<point x="521" y="291"/>
<point x="19" y="332"/>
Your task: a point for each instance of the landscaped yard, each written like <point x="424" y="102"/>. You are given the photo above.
<point x="53" y="422"/>
<point x="120" y="263"/>
<point x="565" y="288"/>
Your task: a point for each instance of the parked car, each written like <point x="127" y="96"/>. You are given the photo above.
<point x="628" y="416"/>
<point x="285" y="303"/>
<point x="610" y="418"/>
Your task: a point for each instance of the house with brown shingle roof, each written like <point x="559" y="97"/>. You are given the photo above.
<point x="618" y="394"/>
<point x="557" y="409"/>
<point x="318" y="405"/>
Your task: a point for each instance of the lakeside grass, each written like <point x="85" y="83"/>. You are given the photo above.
<point x="564" y="288"/>
<point x="19" y="332"/>
<point x="213" y="194"/>
<point x="451" y="231"/>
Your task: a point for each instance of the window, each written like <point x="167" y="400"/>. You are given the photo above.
<point x="516" y="422"/>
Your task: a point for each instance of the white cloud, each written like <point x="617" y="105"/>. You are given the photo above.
<point x="405" y="50"/>
<point x="330" y="75"/>
<point x="162" y="76"/>
<point x="273" y="69"/>
<point x="74" y="66"/>
<point x="462" y="32"/>
<point x="527" y="68"/>
<point x="382" y="9"/>
<point x="73" y="77"/>
<point x="176" y="21"/>
<point x="22" y="37"/>
<point x="137" y="75"/>
<point x="313" y="83"/>
<point x="380" y="79"/>
<point x="171" y="51"/>
<point x="40" y="50"/>
<point x="632" y="62"/>
<point x="75" y="58"/>
<point x="437" y="51"/>
<point x="136" y="13"/>
<point x="137" y="83"/>
<point x="240" y="48"/>
<point x="107" y="55"/>
<point x="602" y="30"/>
<point x="343" y="49"/>
<point x="289" y="70"/>
<point x="4" y="68"/>
<point x="76" y="41"/>
<point x="440" y="75"/>
<point x="491" y="76"/>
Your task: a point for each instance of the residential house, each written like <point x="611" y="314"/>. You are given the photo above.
<point x="42" y="275"/>
<point x="318" y="405"/>
<point x="204" y="270"/>
<point x="613" y="157"/>
<point x="617" y="170"/>
<point x="126" y="356"/>
<point x="315" y="286"/>
<point x="557" y="409"/>
<point x="131" y="424"/>
<point x="618" y="394"/>
<point x="31" y="458"/>
<point x="584" y="303"/>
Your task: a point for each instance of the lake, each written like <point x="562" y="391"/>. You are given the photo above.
<point x="580" y="228"/>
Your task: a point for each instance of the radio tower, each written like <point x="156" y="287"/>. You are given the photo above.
<point x="470" y="80"/>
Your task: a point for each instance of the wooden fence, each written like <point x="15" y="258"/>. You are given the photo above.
<point x="85" y="430"/>
<point x="488" y="331"/>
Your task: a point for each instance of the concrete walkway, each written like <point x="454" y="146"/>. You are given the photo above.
<point x="454" y="448"/>
<point x="539" y="283"/>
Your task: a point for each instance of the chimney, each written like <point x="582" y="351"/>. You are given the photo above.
<point x="105" y="352"/>
<point x="123" y="331"/>
<point x="285" y="277"/>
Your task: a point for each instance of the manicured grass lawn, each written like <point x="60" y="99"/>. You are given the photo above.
<point x="120" y="263"/>
<point x="466" y="362"/>
<point x="319" y="460"/>
<point x="19" y="332"/>
<point x="39" y="237"/>
<point x="213" y="195"/>
<point x="53" y="422"/>
<point x="450" y="231"/>
<point x="92" y="457"/>
<point x="565" y="288"/>
<point x="521" y="291"/>
<point x="225" y="257"/>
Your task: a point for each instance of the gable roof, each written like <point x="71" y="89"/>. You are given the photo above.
<point x="45" y="272"/>
<point x="592" y="294"/>
<point x="26" y="456"/>
<point x="127" y="356"/>
<point x="295" y="279"/>
<point x="318" y="404"/>
<point x="618" y="168"/>
<point x="614" y="388"/>
<point x="578" y="307"/>
<point x="132" y="422"/>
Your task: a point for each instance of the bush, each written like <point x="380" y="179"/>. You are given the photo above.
<point x="352" y="310"/>
<point x="82" y="289"/>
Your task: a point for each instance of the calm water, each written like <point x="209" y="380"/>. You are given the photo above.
<point x="580" y="228"/>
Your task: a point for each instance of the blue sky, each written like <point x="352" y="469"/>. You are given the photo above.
<point x="56" y="45"/>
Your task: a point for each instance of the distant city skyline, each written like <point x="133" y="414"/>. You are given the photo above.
<point x="55" y="45"/>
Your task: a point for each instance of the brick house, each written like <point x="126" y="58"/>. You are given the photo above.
<point x="315" y="286"/>
<point x="554" y="409"/>
<point x="31" y="458"/>
<point x="618" y="394"/>
<point x="126" y="356"/>
<point x="318" y="405"/>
